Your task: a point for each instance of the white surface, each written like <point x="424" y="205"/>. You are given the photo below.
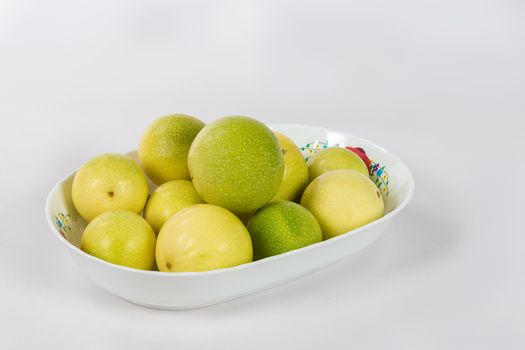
<point x="439" y="83"/>
<point x="191" y="290"/>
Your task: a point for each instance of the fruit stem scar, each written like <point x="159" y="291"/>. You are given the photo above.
<point x="111" y="193"/>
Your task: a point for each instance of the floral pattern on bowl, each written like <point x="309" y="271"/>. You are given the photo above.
<point x="313" y="147"/>
<point x="62" y="221"/>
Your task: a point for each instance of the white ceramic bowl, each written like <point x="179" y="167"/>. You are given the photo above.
<point x="197" y="289"/>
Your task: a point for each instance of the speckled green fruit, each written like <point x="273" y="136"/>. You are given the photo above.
<point x="109" y="182"/>
<point x="202" y="237"/>
<point x="295" y="178"/>
<point x="236" y="162"/>
<point x="335" y="159"/>
<point x="120" y="237"/>
<point x="163" y="148"/>
<point x="168" y="199"/>
<point x="343" y="200"/>
<point x="280" y="227"/>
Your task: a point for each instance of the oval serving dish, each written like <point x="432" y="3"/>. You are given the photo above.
<point x="189" y="290"/>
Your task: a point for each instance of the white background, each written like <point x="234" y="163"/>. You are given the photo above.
<point x="440" y="83"/>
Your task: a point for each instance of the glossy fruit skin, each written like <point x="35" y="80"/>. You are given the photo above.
<point x="168" y="199"/>
<point x="202" y="237"/>
<point x="109" y="182"/>
<point x="282" y="226"/>
<point x="342" y="200"/>
<point x="295" y="177"/>
<point x="335" y="159"/>
<point x="120" y="237"/>
<point x="236" y="162"/>
<point x="164" y="146"/>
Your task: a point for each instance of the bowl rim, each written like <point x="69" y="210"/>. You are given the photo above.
<point x="252" y="264"/>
